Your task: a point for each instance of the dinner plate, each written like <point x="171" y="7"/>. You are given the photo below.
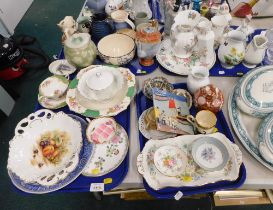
<point x="111" y="107"/>
<point x="246" y="128"/>
<point x="108" y="155"/>
<point x="181" y="66"/>
<point x="83" y="157"/>
<point x="209" y="153"/>
<point x="151" y="134"/>
<point x="256" y="92"/>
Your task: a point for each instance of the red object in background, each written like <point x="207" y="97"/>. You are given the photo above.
<point x="243" y="9"/>
<point x="172" y="104"/>
<point x="14" y="71"/>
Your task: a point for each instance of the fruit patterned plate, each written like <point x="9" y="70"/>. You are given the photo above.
<point x="181" y="66"/>
<point x="193" y="175"/>
<point x="108" y="155"/>
<point x="75" y="105"/>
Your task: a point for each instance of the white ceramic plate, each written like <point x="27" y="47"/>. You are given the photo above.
<point x="109" y="155"/>
<point x="25" y="141"/>
<point x="181" y="66"/>
<point x="193" y="175"/>
<point x="152" y="134"/>
<point x="49" y="103"/>
<point x="61" y="67"/>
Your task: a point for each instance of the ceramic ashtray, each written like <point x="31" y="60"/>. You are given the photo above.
<point x="101" y="130"/>
<point x="170" y="160"/>
<point x="157" y="82"/>
<point x="186" y="94"/>
<point x="210" y="153"/>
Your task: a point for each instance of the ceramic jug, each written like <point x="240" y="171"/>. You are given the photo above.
<point x="113" y="5"/>
<point x="140" y="6"/>
<point x="96" y="5"/>
<point x="121" y="20"/>
<point x="198" y="77"/>
<point x="205" y="40"/>
<point x="232" y="51"/>
<point x="79" y="50"/>
<point x="219" y="24"/>
<point x="255" y="51"/>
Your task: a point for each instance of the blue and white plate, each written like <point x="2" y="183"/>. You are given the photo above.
<point x="245" y="128"/>
<point x="265" y="133"/>
<point x="210" y="153"/>
<point x="84" y="155"/>
<point x="256" y="92"/>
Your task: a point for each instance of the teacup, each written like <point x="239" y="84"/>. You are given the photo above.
<point x="121" y="20"/>
<point x="141" y="17"/>
<point x="204" y="121"/>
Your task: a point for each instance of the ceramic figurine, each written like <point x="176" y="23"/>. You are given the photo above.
<point x="87" y="12"/>
<point x="205" y="40"/>
<point x="113" y="5"/>
<point x="209" y="98"/>
<point x="68" y="26"/>
<point x="148" y="39"/>
<point x="255" y="51"/>
<point x="245" y="27"/>
<point x="219" y="24"/>
<point x="198" y="77"/>
<point x="79" y="50"/>
<point x="121" y="20"/>
<point x="169" y="19"/>
<point x="224" y="10"/>
<point x="96" y="5"/>
<point x="232" y="51"/>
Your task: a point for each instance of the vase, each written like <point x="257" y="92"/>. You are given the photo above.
<point x="198" y="77"/>
<point x="96" y="5"/>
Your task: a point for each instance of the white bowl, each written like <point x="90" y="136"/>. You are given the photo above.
<point x="116" y="49"/>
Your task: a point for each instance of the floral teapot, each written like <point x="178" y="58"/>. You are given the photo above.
<point x="182" y="36"/>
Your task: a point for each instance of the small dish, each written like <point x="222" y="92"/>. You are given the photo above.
<point x="185" y="93"/>
<point x="116" y="49"/>
<point x="53" y="87"/>
<point x="61" y="67"/>
<point x="157" y="82"/>
<point x="210" y="153"/>
<point x="170" y="160"/>
<point x="49" y="103"/>
<point x="101" y="130"/>
<point x="150" y="132"/>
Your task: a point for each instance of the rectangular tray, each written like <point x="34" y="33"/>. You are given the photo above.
<point x="144" y="103"/>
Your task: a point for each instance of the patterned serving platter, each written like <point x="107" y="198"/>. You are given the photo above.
<point x="109" y="155"/>
<point x="193" y="175"/>
<point x="83" y="157"/>
<point x="246" y="128"/>
<point x="77" y="104"/>
<point x="181" y="66"/>
<point x="265" y="132"/>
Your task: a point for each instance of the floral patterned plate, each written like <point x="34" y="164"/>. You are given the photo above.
<point x="108" y="156"/>
<point x="193" y="175"/>
<point x="170" y="160"/>
<point x="210" y="154"/>
<point x="181" y="66"/>
<point x="152" y="134"/>
<point x="78" y="104"/>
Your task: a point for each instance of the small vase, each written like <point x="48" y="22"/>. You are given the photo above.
<point x="96" y="5"/>
<point x="79" y="50"/>
<point x="198" y="77"/>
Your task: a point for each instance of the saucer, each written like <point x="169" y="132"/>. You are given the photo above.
<point x="181" y="66"/>
<point x="210" y="153"/>
<point x="170" y="160"/>
<point x="49" y="103"/>
<point x="61" y="67"/>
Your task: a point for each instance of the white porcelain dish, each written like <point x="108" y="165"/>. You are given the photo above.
<point x="61" y="67"/>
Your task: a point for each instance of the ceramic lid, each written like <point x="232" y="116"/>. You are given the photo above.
<point x="100" y="80"/>
<point x="209" y="153"/>
<point x="257" y="89"/>
<point x="78" y="40"/>
<point x="53" y="87"/>
<point x="101" y="130"/>
<point x="170" y="160"/>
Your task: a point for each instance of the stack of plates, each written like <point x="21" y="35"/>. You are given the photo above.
<point x="249" y="107"/>
<point x="93" y="99"/>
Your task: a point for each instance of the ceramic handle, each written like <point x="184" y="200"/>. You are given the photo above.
<point x="39" y="115"/>
<point x="140" y="164"/>
<point x="130" y="23"/>
<point x="238" y="153"/>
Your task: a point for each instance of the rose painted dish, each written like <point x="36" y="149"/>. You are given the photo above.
<point x="38" y="188"/>
<point x="210" y="154"/>
<point x="108" y="156"/>
<point x="181" y="66"/>
<point x="48" y="145"/>
<point x="193" y="175"/>
<point x="110" y="107"/>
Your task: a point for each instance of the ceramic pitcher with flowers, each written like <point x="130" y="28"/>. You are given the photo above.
<point x="232" y="51"/>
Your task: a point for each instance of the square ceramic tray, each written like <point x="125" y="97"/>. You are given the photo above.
<point x="144" y="103"/>
<point x="218" y="71"/>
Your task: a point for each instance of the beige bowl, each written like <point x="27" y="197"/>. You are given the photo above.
<point x="116" y="49"/>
